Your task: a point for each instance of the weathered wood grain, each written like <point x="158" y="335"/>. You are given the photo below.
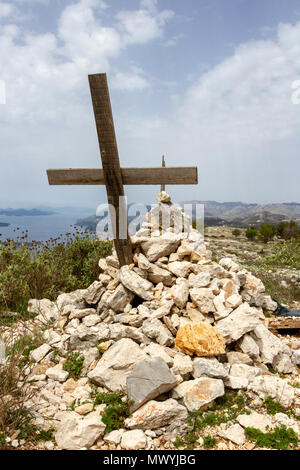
<point x="130" y="176"/>
<point x="111" y="165"/>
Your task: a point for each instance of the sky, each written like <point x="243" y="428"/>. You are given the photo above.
<point x="208" y="83"/>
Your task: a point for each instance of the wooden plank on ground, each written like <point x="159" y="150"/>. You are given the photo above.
<point x="130" y="176"/>
<point x="284" y="323"/>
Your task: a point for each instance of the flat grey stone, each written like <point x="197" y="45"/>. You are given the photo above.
<point x="148" y="380"/>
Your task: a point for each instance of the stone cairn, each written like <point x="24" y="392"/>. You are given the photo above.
<point x="175" y="329"/>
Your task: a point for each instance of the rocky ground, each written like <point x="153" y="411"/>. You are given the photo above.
<point x="283" y="283"/>
<point x="170" y="352"/>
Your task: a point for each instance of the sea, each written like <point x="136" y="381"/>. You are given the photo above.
<point x="40" y="228"/>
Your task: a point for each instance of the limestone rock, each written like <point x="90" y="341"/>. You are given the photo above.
<point x="194" y="313"/>
<point x="235" y="357"/>
<point x="163" y="197"/>
<point x="39" y="353"/>
<point x="240" y="375"/>
<point x="281" y="419"/>
<point x="149" y="379"/>
<point x="274" y="387"/>
<point x="239" y="322"/>
<point x="116" y="364"/>
<point x="157" y="248"/>
<point x="183" y="365"/>
<point x="155" y="330"/>
<point x="155" y="350"/>
<point x="84" y="409"/>
<point x="199" y="392"/>
<point x="200" y="339"/>
<point x="221" y="311"/>
<point x="57" y="373"/>
<point x="157" y="274"/>
<point x="135" y="283"/>
<point x="236" y="383"/>
<point x="114" y="437"/>
<point x="46" y="309"/>
<point x="249" y="347"/>
<point x="120" y="298"/>
<point x="203" y="298"/>
<point x="234" y="433"/>
<point x="283" y="364"/>
<point x="269" y="345"/>
<point x="75" y="298"/>
<point x="199" y="280"/>
<point x="80" y="313"/>
<point x="75" y="432"/>
<point x="163" y="310"/>
<point x="209" y="367"/>
<point x="134" y="440"/>
<point x="118" y="332"/>
<point x="154" y="415"/>
<point x="255" y="420"/>
<point x="180" y="292"/>
<point x="94" y="293"/>
<point x="180" y="268"/>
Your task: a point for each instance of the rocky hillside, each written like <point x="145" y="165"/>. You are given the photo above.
<point x="171" y="351"/>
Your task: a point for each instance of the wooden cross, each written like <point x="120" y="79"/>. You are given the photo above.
<point x="112" y="175"/>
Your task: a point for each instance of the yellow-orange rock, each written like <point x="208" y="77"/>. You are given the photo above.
<point x="200" y="339"/>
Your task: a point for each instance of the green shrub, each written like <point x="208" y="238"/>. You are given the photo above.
<point x="288" y="230"/>
<point x="116" y="411"/>
<point x="281" y="438"/>
<point x="74" y="364"/>
<point x="251" y="233"/>
<point x="44" y="270"/>
<point x="285" y="254"/>
<point x="209" y="442"/>
<point x="236" y="232"/>
<point x="266" y="232"/>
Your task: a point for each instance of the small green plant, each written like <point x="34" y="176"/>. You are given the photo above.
<point x="236" y="232"/>
<point x="224" y="409"/>
<point x="15" y="417"/>
<point x="45" y="269"/>
<point x="251" y="233"/>
<point x="74" y="364"/>
<point x="116" y="411"/>
<point x="281" y="438"/>
<point x="266" y="232"/>
<point x="285" y="254"/>
<point x="209" y="442"/>
<point x="273" y="407"/>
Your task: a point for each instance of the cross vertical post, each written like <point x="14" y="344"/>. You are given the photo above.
<point x="163" y="164"/>
<point x="111" y="165"/>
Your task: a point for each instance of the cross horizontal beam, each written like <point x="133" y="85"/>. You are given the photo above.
<point x="130" y="176"/>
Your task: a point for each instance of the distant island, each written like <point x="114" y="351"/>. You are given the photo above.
<point x="25" y="212"/>
<point x="4" y="224"/>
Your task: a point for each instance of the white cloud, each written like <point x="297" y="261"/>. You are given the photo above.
<point x="143" y="25"/>
<point x="130" y="81"/>
<point x="6" y="9"/>
<point x="229" y="119"/>
<point x="173" y="40"/>
<point x="45" y="71"/>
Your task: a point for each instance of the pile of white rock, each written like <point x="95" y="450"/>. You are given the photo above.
<point x="172" y="331"/>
